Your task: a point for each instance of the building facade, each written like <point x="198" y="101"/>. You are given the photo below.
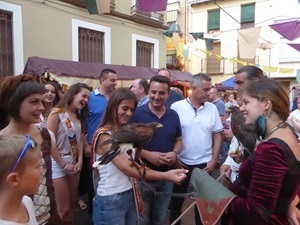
<point x="210" y="32"/>
<point x="64" y="29"/>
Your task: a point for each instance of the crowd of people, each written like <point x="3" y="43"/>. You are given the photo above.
<point x="49" y="140"/>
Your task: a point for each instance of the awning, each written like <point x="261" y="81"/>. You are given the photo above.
<point x="39" y="66"/>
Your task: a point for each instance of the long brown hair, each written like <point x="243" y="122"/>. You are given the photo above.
<point x="68" y="98"/>
<point x="273" y="90"/>
<point x="110" y="116"/>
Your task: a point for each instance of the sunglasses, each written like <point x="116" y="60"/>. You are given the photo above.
<point x="30" y="144"/>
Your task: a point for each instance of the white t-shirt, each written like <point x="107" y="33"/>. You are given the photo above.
<point x="295" y="116"/>
<point x="30" y="210"/>
<point x="198" y="127"/>
<point x="234" y="145"/>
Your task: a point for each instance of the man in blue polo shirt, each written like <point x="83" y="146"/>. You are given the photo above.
<point x="98" y="100"/>
<point x="161" y="152"/>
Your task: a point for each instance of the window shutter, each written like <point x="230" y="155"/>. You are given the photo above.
<point x="247" y="13"/>
<point x="214" y="20"/>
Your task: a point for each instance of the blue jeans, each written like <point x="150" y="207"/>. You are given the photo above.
<point x="155" y="206"/>
<point x="116" y="209"/>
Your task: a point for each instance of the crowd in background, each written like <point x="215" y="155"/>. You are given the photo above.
<point x="249" y="134"/>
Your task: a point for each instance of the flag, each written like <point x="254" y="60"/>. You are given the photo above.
<point x="295" y="46"/>
<point x="152" y="5"/>
<point x="271" y="69"/>
<point x="266" y="45"/>
<point x="298" y="76"/>
<point x="185" y="51"/>
<point x="197" y="35"/>
<point x="288" y="29"/>
<point x="248" y="41"/>
<point x="212" y="198"/>
<point x="209" y="43"/>
<point x="286" y="70"/>
<point x="97" y="6"/>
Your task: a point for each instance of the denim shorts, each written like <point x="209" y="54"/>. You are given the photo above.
<point x="116" y="209"/>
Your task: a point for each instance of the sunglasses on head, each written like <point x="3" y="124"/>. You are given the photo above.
<point x="30" y="144"/>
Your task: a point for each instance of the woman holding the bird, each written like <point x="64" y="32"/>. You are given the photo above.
<point x="117" y="199"/>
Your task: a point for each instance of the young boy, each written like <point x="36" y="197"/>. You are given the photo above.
<point x="20" y="175"/>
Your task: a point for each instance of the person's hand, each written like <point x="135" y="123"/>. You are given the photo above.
<point x="171" y="157"/>
<point x="210" y="166"/>
<point x="293" y="215"/>
<point x="225" y="169"/>
<point x="176" y="176"/>
<point x="77" y="167"/>
<point x="237" y="156"/>
<point x="69" y="168"/>
<point x="157" y="158"/>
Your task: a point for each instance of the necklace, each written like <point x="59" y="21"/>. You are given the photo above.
<point x="280" y="125"/>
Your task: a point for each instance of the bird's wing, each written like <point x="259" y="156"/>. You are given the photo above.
<point x="116" y="149"/>
<point x="133" y="133"/>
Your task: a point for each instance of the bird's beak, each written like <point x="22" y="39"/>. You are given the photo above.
<point x="159" y="125"/>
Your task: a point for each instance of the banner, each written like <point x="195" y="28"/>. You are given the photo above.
<point x="152" y="5"/>
<point x="248" y="42"/>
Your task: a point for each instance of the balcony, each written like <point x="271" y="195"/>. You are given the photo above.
<point x="212" y="66"/>
<point x="148" y="18"/>
<point x="198" y="1"/>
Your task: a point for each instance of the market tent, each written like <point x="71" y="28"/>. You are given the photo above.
<point x="69" y="72"/>
<point x="227" y="84"/>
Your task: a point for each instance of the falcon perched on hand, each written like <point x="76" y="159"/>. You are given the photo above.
<point x="245" y="134"/>
<point x="134" y="135"/>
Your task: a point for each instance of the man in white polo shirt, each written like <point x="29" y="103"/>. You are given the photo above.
<point x="201" y="134"/>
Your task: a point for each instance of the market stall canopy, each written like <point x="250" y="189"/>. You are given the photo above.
<point x="82" y="71"/>
<point x="227" y="84"/>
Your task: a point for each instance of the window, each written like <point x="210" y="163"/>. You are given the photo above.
<point x="91" y="45"/>
<point x="6" y="48"/>
<point x="215" y="66"/>
<point x="90" y="42"/>
<point x="11" y="40"/>
<point x="145" y="51"/>
<point x="247" y="15"/>
<point x="171" y="59"/>
<point x="144" y="54"/>
<point x="213" y="20"/>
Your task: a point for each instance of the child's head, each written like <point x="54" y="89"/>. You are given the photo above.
<point x="20" y="166"/>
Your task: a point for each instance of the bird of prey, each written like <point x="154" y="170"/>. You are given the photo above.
<point x="245" y="134"/>
<point x="134" y="135"/>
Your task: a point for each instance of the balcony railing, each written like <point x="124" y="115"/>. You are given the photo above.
<point x="159" y="16"/>
<point x="212" y="66"/>
<point x="198" y="1"/>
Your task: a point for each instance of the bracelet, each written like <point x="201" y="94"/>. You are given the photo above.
<point x="175" y="152"/>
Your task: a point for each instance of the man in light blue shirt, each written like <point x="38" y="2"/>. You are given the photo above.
<point x="98" y="100"/>
<point x="140" y="88"/>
